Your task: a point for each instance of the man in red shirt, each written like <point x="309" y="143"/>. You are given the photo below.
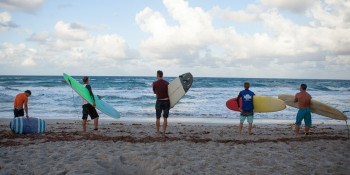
<point x="160" y="88"/>
<point x="21" y="104"/>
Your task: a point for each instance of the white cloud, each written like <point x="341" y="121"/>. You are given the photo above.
<point x="6" y="22"/>
<point x="240" y="15"/>
<point x="331" y="14"/>
<point x="195" y="41"/>
<point x="28" y="62"/>
<point x="186" y="38"/>
<point x="70" y="32"/>
<point x="193" y="32"/>
<point x="343" y="60"/>
<point x="17" y="54"/>
<point x="21" y="5"/>
<point x="108" y="46"/>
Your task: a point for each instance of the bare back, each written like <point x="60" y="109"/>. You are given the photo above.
<point x="304" y="99"/>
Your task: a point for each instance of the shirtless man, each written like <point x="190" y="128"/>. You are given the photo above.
<point x="304" y="101"/>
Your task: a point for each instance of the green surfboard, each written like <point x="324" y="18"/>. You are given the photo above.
<point x="84" y="93"/>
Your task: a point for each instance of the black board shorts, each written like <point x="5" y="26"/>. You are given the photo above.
<point x="162" y="105"/>
<point x="18" y="112"/>
<point x="88" y="109"/>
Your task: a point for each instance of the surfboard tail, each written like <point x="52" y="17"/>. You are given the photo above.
<point x="186" y="81"/>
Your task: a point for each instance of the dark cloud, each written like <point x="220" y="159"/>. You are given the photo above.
<point x="21" y="5"/>
<point x="77" y="26"/>
<point x="9" y="24"/>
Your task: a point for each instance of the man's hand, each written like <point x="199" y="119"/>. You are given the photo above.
<point x="240" y="109"/>
<point x="27" y="116"/>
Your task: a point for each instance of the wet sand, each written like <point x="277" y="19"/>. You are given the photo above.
<point x="189" y="148"/>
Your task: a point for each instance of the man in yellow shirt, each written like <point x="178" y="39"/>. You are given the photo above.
<point x="21" y="104"/>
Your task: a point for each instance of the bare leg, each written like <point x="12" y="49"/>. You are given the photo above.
<point x="297" y="129"/>
<point x="165" y="124"/>
<point x="84" y="125"/>
<point x="96" y="123"/>
<point x="240" y="128"/>
<point x="158" y="126"/>
<point x="250" y="128"/>
<point x="307" y="130"/>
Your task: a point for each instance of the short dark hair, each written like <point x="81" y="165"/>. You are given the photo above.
<point x="303" y="86"/>
<point x="160" y="73"/>
<point x="85" y="79"/>
<point x="29" y="92"/>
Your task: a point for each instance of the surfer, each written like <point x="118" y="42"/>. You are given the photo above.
<point x="160" y="88"/>
<point x="246" y="108"/>
<point x="21" y="104"/>
<point x="304" y="101"/>
<point x="89" y="109"/>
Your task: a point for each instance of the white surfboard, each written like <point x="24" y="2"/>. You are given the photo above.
<point x="316" y="107"/>
<point x="178" y="88"/>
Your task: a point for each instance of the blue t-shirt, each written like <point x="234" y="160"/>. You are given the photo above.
<point x="247" y="100"/>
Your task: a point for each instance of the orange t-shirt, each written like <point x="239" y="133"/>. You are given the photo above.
<point x="20" y="99"/>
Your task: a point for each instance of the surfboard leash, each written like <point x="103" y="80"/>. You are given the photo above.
<point x="346" y="122"/>
<point x="76" y="110"/>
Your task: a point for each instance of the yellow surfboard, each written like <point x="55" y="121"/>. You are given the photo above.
<point x="261" y="104"/>
<point x="316" y="107"/>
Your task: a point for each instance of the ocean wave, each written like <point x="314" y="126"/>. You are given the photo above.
<point x="133" y="96"/>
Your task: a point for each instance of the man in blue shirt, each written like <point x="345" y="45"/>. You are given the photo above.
<point x="247" y="107"/>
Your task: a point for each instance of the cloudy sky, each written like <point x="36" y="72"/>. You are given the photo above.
<point x="211" y="38"/>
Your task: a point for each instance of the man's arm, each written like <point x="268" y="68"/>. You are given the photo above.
<point x="91" y="94"/>
<point x="154" y="89"/>
<point x="238" y="97"/>
<point x="26" y="109"/>
<point x="296" y="98"/>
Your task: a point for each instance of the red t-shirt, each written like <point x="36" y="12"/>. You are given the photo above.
<point x="160" y="87"/>
<point x="20" y="100"/>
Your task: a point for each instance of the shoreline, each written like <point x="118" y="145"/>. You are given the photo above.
<point x="190" y="148"/>
<point x="203" y="121"/>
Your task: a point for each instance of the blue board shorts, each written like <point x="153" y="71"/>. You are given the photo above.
<point x="249" y="118"/>
<point x="305" y="114"/>
<point x="247" y="115"/>
<point x="162" y="105"/>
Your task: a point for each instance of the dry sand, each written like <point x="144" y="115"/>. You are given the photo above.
<point x="133" y="148"/>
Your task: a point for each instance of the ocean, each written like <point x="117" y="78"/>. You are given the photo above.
<point x="52" y="98"/>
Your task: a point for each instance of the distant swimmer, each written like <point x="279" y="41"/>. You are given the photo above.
<point x="160" y="88"/>
<point x="304" y="102"/>
<point x="247" y="107"/>
<point x="21" y="104"/>
<point x="89" y="109"/>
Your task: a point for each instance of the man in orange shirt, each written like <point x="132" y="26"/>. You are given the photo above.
<point x="304" y="102"/>
<point x="21" y="104"/>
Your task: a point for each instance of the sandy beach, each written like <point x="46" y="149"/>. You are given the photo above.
<point x="190" y="148"/>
